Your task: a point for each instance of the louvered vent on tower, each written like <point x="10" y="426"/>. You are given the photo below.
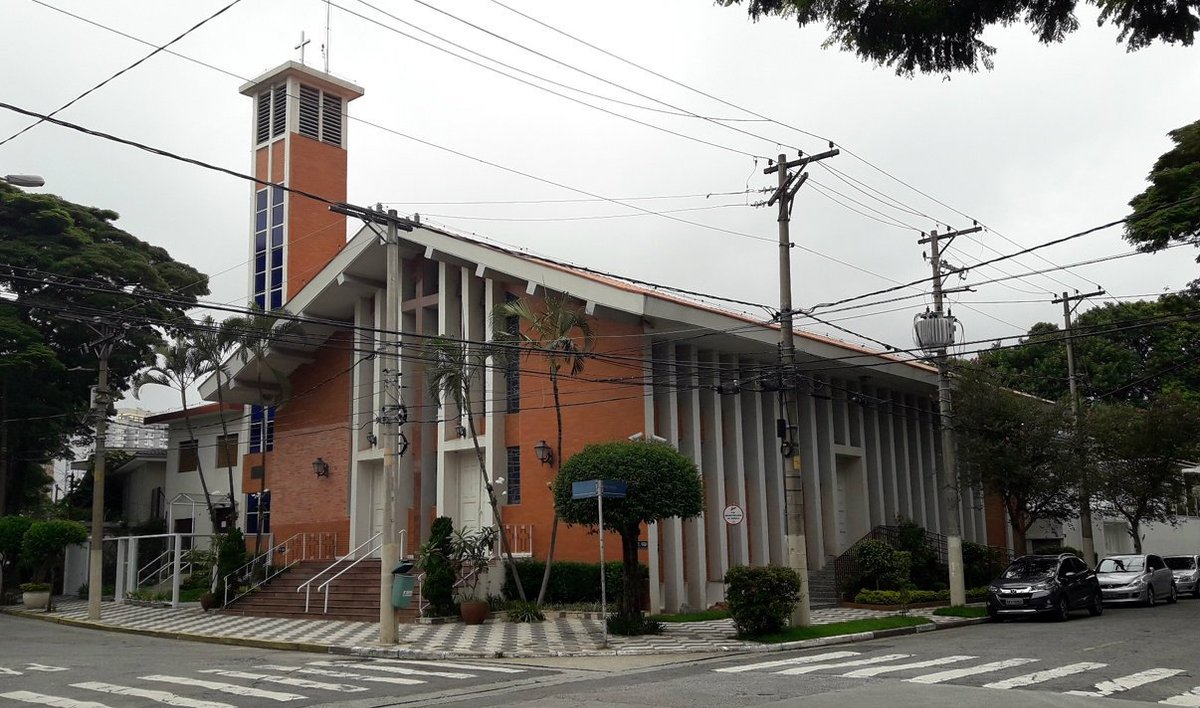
<point x="331" y="129"/>
<point x="310" y="112"/>
<point x="278" y="109"/>
<point x="262" y="129"/>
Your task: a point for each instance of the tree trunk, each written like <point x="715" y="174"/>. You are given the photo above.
<point x="1135" y="530"/>
<point x="557" y="465"/>
<point x="225" y="436"/>
<point x="4" y="446"/>
<point x="491" y="492"/>
<point x="631" y="605"/>
<point x="187" y="421"/>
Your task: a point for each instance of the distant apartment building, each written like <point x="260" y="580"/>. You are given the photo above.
<point x="127" y="430"/>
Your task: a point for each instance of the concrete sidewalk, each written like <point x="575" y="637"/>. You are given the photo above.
<point x="570" y="636"/>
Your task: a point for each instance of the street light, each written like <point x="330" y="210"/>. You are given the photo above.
<point x="23" y="180"/>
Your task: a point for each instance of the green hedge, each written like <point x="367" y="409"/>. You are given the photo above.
<point x="896" y="597"/>
<point x="570" y="581"/>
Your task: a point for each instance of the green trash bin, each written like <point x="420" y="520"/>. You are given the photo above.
<point x="402" y="584"/>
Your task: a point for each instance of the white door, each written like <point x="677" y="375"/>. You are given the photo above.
<point x="377" y="501"/>
<point x="469" y="484"/>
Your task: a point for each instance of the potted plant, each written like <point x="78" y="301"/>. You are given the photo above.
<point x="471" y="553"/>
<point x="43" y="545"/>
<point x="35" y="596"/>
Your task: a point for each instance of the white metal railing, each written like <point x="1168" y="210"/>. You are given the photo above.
<point x="170" y="563"/>
<point x="356" y="556"/>
<point x="276" y="559"/>
<point x="519" y="538"/>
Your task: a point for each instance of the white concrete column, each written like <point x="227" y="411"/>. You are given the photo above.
<point x="874" y="463"/>
<point x="666" y="425"/>
<point x="734" y="465"/>
<point x="772" y="467"/>
<point x="652" y="529"/>
<point x="694" y="546"/>
<point x="712" y="464"/>
<point x="929" y="464"/>
<point x="810" y="442"/>
<point x="755" y="452"/>
<point x="827" y="469"/>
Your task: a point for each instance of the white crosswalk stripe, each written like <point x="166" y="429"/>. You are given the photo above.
<point x="952" y="674"/>
<point x="454" y="665"/>
<point x="1191" y="699"/>
<point x="1043" y="676"/>
<point x="786" y="662"/>
<point x="231" y="688"/>
<point x="164" y="697"/>
<point x="881" y="659"/>
<point x="329" y="673"/>
<point x="42" y="699"/>
<point x="285" y="680"/>
<point x="392" y="669"/>
<point x="1125" y="683"/>
<point x="877" y="670"/>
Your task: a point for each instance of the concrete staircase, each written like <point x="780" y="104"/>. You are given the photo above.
<point x="352" y="597"/>
<point x="822" y="588"/>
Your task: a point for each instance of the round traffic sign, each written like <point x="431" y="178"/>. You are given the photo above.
<point x="733" y="514"/>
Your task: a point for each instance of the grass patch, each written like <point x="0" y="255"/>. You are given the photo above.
<point x="961" y="612"/>
<point x="793" y="634"/>
<point x="693" y="616"/>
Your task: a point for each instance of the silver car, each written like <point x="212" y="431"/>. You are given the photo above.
<point x="1144" y="578"/>
<point x="1187" y="573"/>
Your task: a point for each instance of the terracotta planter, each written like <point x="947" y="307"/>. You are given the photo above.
<point x="36" y="600"/>
<point x="208" y="601"/>
<point x="473" y="611"/>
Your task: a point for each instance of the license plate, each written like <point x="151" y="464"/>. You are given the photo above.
<point x="1014" y="602"/>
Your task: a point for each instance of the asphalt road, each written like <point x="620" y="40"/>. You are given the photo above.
<point x="42" y="663"/>
<point x="1127" y="656"/>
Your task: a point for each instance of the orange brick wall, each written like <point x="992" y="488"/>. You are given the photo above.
<point x="996" y="525"/>
<point x="594" y="410"/>
<point x="315" y="234"/>
<point x="311" y="424"/>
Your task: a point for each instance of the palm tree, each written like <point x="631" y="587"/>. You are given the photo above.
<point x="212" y="342"/>
<point x="179" y="365"/>
<point x="253" y="334"/>
<point x="563" y="334"/>
<point x="451" y="367"/>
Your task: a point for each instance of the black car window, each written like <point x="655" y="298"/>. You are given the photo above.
<point x="1076" y="565"/>
<point x="1123" y="564"/>
<point x="1181" y="562"/>
<point x="1155" y="562"/>
<point x="1029" y="568"/>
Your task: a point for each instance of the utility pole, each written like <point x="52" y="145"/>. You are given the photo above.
<point x="1085" y="494"/>
<point x="793" y="479"/>
<point x="392" y="415"/>
<point x="948" y="484"/>
<point x="103" y="349"/>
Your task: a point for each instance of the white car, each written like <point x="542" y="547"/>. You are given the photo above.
<point x="1145" y="579"/>
<point x="1187" y="573"/>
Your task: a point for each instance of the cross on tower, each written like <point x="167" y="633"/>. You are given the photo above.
<point x="303" y="43"/>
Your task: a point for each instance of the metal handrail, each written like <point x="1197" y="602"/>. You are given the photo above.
<point x="307" y="584"/>
<point x="325" y="585"/>
<point x="249" y="568"/>
<point x="142" y="575"/>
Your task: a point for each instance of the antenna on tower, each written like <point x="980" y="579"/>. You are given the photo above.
<point x="325" y="46"/>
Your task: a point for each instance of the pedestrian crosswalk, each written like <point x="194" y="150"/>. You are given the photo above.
<point x="1168" y="686"/>
<point x="258" y="685"/>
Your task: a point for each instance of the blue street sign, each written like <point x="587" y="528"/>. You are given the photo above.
<point x="613" y="489"/>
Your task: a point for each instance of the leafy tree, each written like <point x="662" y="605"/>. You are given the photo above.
<point x="939" y="37"/>
<point x="12" y="533"/>
<point x="562" y="333"/>
<point x="1124" y="351"/>
<point x="252" y="335"/>
<point x="452" y="366"/>
<point x="661" y="483"/>
<point x="1017" y="447"/>
<point x="1169" y="209"/>
<point x="180" y="366"/>
<point x="60" y="265"/>
<point x="1137" y="456"/>
<point x="43" y="545"/>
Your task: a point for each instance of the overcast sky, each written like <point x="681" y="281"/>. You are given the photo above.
<point x="1054" y="140"/>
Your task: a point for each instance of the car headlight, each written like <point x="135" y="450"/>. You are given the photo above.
<point x="1139" y="582"/>
<point x="1041" y="589"/>
<point x="993" y="589"/>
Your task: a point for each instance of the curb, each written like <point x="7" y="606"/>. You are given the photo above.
<point x="383" y="652"/>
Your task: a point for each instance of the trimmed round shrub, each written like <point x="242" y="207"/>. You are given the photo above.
<point x="761" y="598"/>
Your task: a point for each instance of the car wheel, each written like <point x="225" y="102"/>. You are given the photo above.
<point x="1151" y="599"/>
<point x="1174" y="596"/>
<point x="1196" y="590"/>
<point x="1097" y="607"/>
<point x="1064" y="610"/>
<point x="995" y="617"/>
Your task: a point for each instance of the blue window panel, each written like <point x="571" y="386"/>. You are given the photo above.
<point x="276" y="303"/>
<point x="260" y="220"/>
<point x="276" y="215"/>
<point x="256" y="417"/>
<point x="276" y="196"/>
<point x="513" y="478"/>
<point x="260" y="242"/>
<point x="260" y="200"/>
<point x="277" y="258"/>
<point x="276" y="236"/>
<point x="270" y="437"/>
<point x="260" y="283"/>
<point x="260" y="299"/>
<point x="260" y="262"/>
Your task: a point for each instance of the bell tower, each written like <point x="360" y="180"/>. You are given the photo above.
<point x="298" y="140"/>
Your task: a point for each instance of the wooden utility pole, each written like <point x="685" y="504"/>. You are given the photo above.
<point x="1085" y="492"/>
<point x="103" y="348"/>
<point x="793" y="480"/>
<point x="948" y="483"/>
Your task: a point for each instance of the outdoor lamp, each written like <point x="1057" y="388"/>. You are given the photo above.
<point x="321" y="467"/>
<point x="23" y="180"/>
<point x="543" y="452"/>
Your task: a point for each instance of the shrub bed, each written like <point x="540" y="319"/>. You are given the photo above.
<point x="915" y="597"/>
<point x="570" y="581"/>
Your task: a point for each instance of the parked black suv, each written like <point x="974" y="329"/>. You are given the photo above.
<point x="1052" y="585"/>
